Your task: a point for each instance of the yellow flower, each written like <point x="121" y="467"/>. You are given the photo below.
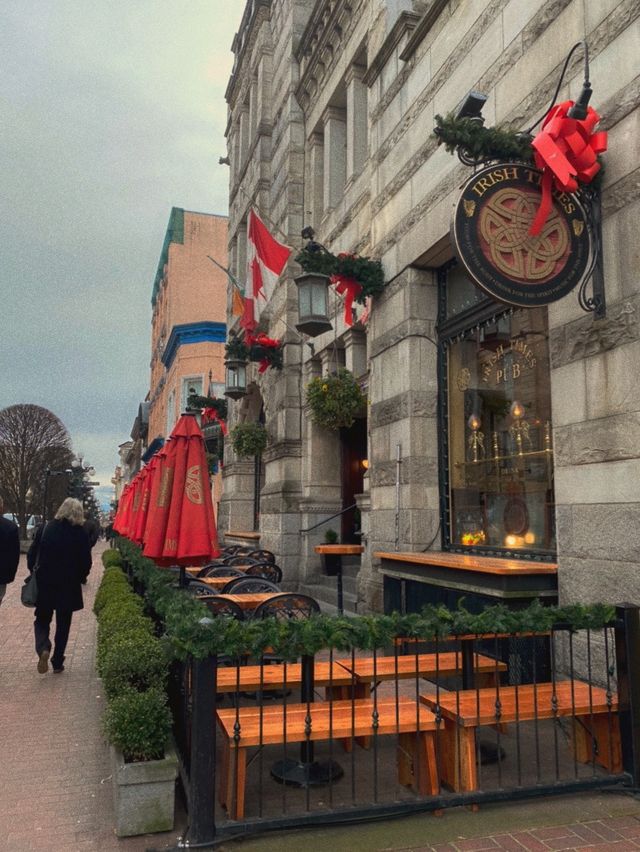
<point x="325" y="388"/>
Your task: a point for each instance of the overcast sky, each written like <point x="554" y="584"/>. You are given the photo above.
<point x="111" y="112"/>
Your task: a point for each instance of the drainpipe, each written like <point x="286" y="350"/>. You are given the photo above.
<point x="398" y="463"/>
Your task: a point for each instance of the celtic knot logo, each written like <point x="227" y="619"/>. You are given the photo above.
<point x="193" y="485"/>
<point x="504" y="225"/>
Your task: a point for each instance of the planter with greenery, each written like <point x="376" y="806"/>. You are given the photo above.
<point x="335" y="400"/>
<point x="248" y="439"/>
<point x="236" y="349"/>
<point x="133" y="665"/>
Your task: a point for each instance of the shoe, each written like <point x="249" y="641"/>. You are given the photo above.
<point x="58" y="670"/>
<point x="43" y="662"/>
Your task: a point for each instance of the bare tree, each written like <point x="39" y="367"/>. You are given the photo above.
<point x="32" y="441"/>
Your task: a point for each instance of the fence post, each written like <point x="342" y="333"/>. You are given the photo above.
<point x="627" y="634"/>
<point x="202" y="776"/>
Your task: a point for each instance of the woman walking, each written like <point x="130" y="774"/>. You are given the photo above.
<point x="61" y="550"/>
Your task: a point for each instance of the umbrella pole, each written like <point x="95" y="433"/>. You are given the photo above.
<point x="183" y="577"/>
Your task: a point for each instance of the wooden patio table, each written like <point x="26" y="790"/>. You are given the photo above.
<point x="279" y="676"/>
<point x="249" y="601"/>
<point x="216" y="583"/>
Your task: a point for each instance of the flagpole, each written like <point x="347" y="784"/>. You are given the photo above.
<point x="266" y="219"/>
<point x="232" y="278"/>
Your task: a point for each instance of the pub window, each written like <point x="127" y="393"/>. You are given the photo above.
<point x="495" y="417"/>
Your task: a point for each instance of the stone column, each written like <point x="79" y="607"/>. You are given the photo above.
<point x="403" y="397"/>
<point x="357" y="137"/>
<point x="335" y="156"/>
<point x="355" y="351"/>
<point x="315" y="181"/>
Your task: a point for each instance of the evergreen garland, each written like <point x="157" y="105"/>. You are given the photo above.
<point x="367" y="272"/>
<point x="235" y="349"/>
<point x="197" y="403"/>
<point x="483" y="143"/>
<point x="191" y="631"/>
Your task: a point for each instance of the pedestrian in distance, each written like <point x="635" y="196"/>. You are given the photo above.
<point x="92" y="529"/>
<point x="9" y="551"/>
<point x="61" y="550"/>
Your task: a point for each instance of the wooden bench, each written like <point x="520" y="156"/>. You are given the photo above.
<point x="462" y="712"/>
<point x="413" y="723"/>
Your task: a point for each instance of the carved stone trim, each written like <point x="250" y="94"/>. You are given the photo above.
<point x="406" y="23"/>
<point x="585" y="336"/>
<point x="426" y="22"/>
<point x="283" y="449"/>
<point x="402" y="407"/>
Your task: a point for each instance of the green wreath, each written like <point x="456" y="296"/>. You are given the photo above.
<point x="248" y="439"/>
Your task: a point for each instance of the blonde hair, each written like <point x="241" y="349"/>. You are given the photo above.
<point x="71" y="510"/>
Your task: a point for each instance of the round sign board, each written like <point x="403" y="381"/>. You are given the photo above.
<point x="490" y="234"/>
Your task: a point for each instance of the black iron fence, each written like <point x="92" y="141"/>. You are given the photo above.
<point x="267" y="744"/>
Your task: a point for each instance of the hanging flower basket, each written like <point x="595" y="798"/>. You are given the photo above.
<point x="335" y="400"/>
<point x="248" y="439"/>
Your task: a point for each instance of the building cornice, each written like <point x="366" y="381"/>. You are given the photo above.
<point x="406" y="23"/>
<point x="193" y="332"/>
<point x="255" y="13"/>
<point x="424" y="25"/>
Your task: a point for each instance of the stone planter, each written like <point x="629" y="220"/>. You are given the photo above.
<point x="144" y="794"/>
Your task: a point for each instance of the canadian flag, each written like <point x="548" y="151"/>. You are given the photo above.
<point x="266" y="258"/>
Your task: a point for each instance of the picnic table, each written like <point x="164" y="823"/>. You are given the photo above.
<point x="250" y="601"/>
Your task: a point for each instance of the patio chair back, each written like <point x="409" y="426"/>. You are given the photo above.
<point x="268" y="570"/>
<point x="249" y="585"/>
<point x="289" y="605"/>
<point x="222" y="571"/>
<point x="241" y="559"/>
<point x="219" y="606"/>
<point x="262" y="555"/>
<point x="199" y="589"/>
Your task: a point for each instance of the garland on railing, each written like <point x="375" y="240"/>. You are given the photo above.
<point x="191" y="630"/>
<point x="236" y="349"/>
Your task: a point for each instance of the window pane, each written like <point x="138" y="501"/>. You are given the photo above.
<point x="500" y="452"/>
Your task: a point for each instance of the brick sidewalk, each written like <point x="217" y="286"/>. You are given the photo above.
<point x="55" y="776"/>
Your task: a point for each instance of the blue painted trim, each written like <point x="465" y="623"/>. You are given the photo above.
<point x="192" y="332"/>
<point x="152" y="449"/>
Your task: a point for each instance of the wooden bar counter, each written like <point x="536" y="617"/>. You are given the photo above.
<point x="412" y="580"/>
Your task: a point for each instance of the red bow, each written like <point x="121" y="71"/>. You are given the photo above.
<point x="566" y="150"/>
<point x="351" y="289"/>
<point x="262" y="340"/>
<point x="210" y="414"/>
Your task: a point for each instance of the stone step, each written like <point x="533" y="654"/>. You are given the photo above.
<point x="327" y="598"/>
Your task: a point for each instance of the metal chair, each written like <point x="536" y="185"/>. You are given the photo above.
<point x="249" y="585"/>
<point x="219" y="606"/>
<point x="268" y="570"/>
<point x="289" y="605"/>
<point x="220" y="571"/>
<point x="262" y="555"/>
<point x="240" y="560"/>
<point x="199" y="589"/>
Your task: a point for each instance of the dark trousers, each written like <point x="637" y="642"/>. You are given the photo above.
<point x="41" y="631"/>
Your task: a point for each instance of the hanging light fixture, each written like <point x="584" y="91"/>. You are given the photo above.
<point x="235" y="378"/>
<point x="313" y="287"/>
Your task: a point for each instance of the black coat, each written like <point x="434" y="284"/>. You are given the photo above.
<point x="9" y="550"/>
<point x="64" y="561"/>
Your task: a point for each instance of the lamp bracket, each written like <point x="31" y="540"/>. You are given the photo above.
<point x="591" y="197"/>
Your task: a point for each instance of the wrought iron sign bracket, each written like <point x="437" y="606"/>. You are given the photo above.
<point x="596" y="303"/>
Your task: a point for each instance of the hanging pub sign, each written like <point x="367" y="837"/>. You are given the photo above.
<point x="491" y="237"/>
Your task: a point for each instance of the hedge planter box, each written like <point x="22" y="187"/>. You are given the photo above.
<point x="144" y="794"/>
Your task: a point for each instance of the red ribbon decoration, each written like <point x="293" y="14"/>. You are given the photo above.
<point x="210" y="414"/>
<point x="351" y="289"/>
<point x="264" y="341"/>
<point x="566" y="150"/>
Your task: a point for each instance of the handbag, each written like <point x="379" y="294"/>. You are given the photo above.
<point x="29" y="590"/>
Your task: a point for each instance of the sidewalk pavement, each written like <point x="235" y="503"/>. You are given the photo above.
<point x="55" y="777"/>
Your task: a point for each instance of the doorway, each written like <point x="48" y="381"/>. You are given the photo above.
<point x="353" y="443"/>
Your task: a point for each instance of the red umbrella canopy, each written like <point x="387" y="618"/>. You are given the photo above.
<point x="190" y="535"/>
<point x="159" y="499"/>
<point x="142" y="496"/>
<point x="124" y="510"/>
<point x="134" y="505"/>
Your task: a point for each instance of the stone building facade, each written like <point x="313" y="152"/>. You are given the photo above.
<point x="332" y="106"/>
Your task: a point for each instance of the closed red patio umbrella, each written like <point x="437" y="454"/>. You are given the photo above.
<point x="190" y="536"/>
<point x="158" y="509"/>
